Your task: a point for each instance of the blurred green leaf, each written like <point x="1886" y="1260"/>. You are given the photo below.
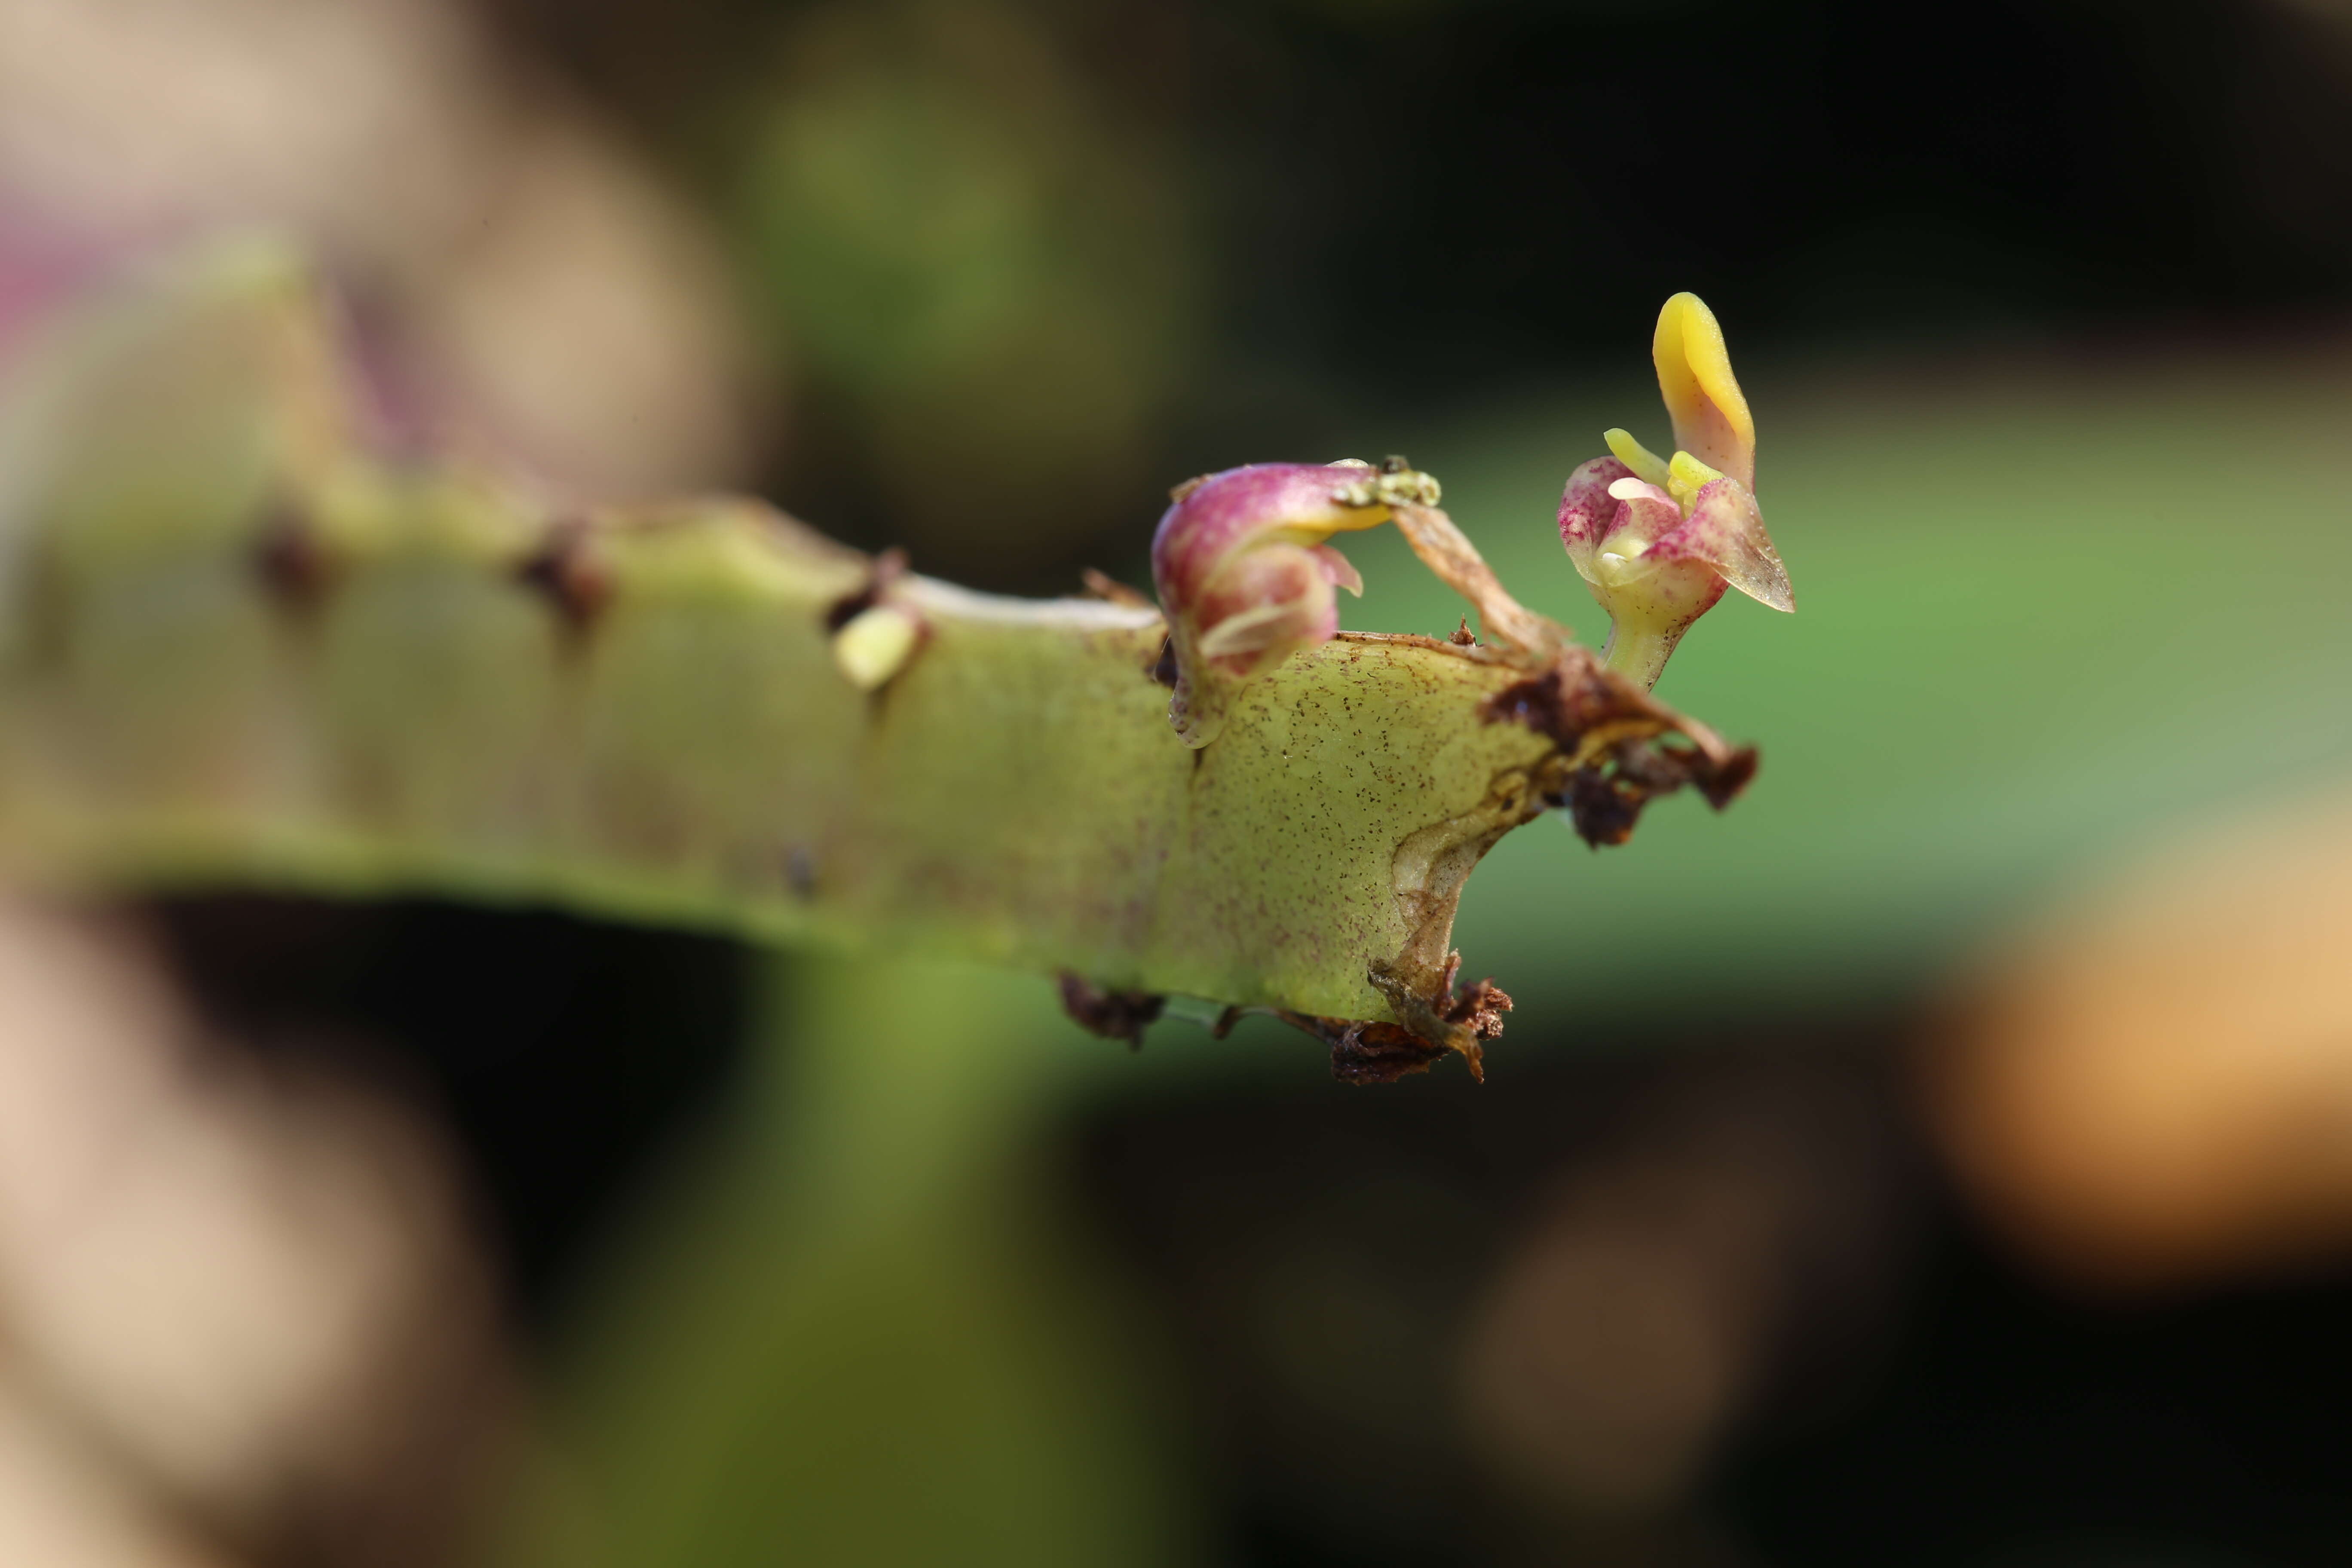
<point x="862" y="1332"/>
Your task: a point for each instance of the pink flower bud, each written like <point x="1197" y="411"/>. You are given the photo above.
<point x="1245" y="578"/>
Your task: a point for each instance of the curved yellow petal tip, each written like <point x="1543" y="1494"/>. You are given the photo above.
<point x="1710" y="414"/>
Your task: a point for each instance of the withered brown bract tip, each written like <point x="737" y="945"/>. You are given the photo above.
<point x="1164" y="668"/>
<point x="886" y="569"/>
<point x="1365" y="1053"/>
<point x="294" y="568"/>
<point x="1605" y="801"/>
<point x="1111" y="591"/>
<point x="1111" y="1014"/>
<point x="564" y="569"/>
<point x="1723" y="783"/>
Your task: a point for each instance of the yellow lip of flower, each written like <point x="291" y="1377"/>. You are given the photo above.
<point x="1710" y="414"/>
<point x="1712" y="423"/>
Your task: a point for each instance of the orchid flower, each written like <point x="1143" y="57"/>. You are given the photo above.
<point x="1660" y="539"/>
<point x="1241" y="564"/>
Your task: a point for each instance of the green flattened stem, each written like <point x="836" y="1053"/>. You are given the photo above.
<point x="235" y="649"/>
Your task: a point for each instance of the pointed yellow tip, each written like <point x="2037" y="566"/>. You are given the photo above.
<point x="1647" y="465"/>
<point x="1710" y="413"/>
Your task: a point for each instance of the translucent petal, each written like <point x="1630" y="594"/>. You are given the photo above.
<point x="1726" y="529"/>
<point x="1339" y="571"/>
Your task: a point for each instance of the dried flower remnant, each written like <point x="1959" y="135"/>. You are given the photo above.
<point x="1660" y="539"/>
<point x="1247" y="578"/>
<point x="1113" y="1015"/>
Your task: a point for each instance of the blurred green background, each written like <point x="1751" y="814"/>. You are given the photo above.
<point x="2045" y="312"/>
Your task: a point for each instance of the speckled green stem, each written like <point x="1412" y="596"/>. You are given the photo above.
<point x="236" y="648"/>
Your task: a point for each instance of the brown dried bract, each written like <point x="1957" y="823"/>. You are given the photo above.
<point x="1364" y="1053"/>
<point x="887" y="568"/>
<point x="1606" y="800"/>
<point x="1111" y="591"/>
<point x="567" y="569"/>
<point x="1581" y="706"/>
<point x="1112" y="1014"/>
<point x="1164" y="668"/>
<point x="1607" y="728"/>
<point x="1445" y="1016"/>
<point x="293" y="566"/>
<point x="1478" y="1008"/>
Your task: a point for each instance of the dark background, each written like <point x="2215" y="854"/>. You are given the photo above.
<point x="1400" y="205"/>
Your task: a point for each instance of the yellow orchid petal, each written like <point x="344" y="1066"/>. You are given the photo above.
<point x="1647" y="465"/>
<point x="1711" y="418"/>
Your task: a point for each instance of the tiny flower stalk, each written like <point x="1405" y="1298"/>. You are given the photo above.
<point x="1658" y="539"/>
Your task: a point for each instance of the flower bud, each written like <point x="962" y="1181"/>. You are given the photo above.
<point x="1245" y="578"/>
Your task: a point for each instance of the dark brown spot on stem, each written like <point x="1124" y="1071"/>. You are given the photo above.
<point x="1567" y="699"/>
<point x="1162" y="668"/>
<point x="292" y="565"/>
<point x="566" y="569"/>
<point x="888" y="567"/>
